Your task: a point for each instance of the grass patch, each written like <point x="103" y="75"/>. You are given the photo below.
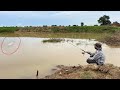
<point x="67" y="29"/>
<point x="8" y="29"/>
<point x="52" y="40"/>
<point x="97" y="36"/>
<point x="86" y="75"/>
<point x="87" y="29"/>
<point x="63" y="29"/>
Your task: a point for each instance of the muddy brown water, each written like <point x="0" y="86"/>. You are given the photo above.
<point x="33" y="55"/>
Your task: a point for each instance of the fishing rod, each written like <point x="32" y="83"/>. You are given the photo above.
<point x="79" y="48"/>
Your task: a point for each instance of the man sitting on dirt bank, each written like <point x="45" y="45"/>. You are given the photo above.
<point x="97" y="57"/>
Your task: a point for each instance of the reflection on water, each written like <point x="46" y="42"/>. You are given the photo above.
<point x="34" y="55"/>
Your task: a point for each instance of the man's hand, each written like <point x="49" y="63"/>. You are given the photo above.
<point x="85" y="52"/>
<point x="88" y="52"/>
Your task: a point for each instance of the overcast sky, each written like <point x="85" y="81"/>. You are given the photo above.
<point x="39" y="18"/>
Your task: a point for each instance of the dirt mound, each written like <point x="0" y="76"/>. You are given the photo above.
<point x="107" y="71"/>
<point x="113" y="40"/>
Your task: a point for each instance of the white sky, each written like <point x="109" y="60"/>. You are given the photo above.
<point x="13" y="18"/>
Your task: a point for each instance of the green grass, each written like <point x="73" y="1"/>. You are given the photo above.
<point x="57" y="35"/>
<point x="8" y="29"/>
<point x="86" y="29"/>
<point x="65" y="29"/>
<point x="86" y="75"/>
<point x="52" y="40"/>
<point x="93" y="29"/>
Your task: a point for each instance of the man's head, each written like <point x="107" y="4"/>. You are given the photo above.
<point x="98" y="46"/>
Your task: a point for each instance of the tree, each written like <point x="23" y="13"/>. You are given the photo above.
<point x="44" y="25"/>
<point x="116" y="23"/>
<point x="95" y="25"/>
<point x="104" y="20"/>
<point x="74" y="25"/>
<point x="82" y="24"/>
<point x="54" y="25"/>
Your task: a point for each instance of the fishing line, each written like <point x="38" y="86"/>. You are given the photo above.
<point x="77" y="47"/>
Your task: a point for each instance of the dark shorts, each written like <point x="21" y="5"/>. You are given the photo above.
<point x="93" y="61"/>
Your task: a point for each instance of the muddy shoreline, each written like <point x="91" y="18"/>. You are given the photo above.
<point x="92" y="71"/>
<point x="113" y="40"/>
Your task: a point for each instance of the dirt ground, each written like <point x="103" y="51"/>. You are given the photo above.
<point x="92" y="71"/>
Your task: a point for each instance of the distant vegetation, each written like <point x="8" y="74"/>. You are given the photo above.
<point x="105" y="27"/>
<point x="82" y="24"/>
<point x="63" y="29"/>
<point x="8" y="29"/>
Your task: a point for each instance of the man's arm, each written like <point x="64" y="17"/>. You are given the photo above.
<point x="96" y="56"/>
<point x="91" y="54"/>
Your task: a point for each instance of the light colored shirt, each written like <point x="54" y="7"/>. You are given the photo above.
<point x="98" y="56"/>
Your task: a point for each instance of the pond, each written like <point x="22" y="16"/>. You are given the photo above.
<point x="20" y="58"/>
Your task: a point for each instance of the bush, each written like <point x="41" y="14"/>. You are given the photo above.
<point x="55" y="29"/>
<point x="52" y="40"/>
<point x="8" y="29"/>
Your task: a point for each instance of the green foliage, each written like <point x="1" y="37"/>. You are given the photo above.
<point x="8" y="29"/>
<point x="55" y="29"/>
<point x="63" y="29"/>
<point x="52" y="40"/>
<point x="115" y="22"/>
<point x="95" y="25"/>
<point x="75" y="25"/>
<point x="104" y="20"/>
<point x="86" y="75"/>
<point x="82" y="24"/>
<point x="93" y="29"/>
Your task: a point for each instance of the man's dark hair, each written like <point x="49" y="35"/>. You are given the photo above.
<point x="99" y="45"/>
